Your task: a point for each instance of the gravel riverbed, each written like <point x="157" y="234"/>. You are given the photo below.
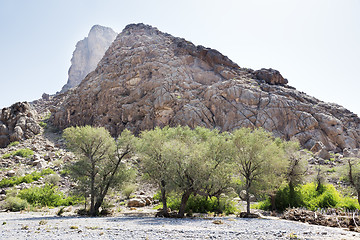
<point x="42" y="226"/>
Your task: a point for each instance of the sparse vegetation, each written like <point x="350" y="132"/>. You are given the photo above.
<point x="353" y="175"/>
<point x="15" y="143"/>
<point x="52" y="179"/>
<point x="129" y="189"/>
<point x="26" y="153"/>
<point x="16" y="180"/>
<point x="43" y="124"/>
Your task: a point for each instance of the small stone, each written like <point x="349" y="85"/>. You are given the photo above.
<point x="11" y="173"/>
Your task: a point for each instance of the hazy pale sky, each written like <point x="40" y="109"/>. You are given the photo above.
<point x="315" y="44"/>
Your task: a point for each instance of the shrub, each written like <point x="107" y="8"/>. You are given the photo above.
<point x="9" y="182"/>
<point x="327" y="196"/>
<point x="15" y="143"/>
<point x="6" y="155"/>
<point x="52" y="179"/>
<point x="128" y="190"/>
<point x="348" y="203"/>
<point x="26" y="152"/>
<point x="307" y="196"/>
<point x="43" y="124"/>
<point x="47" y="196"/>
<point x="15" y="204"/>
<point x="201" y="204"/>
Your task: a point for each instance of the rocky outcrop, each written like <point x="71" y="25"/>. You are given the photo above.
<point x="270" y="76"/>
<point x="148" y="78"/>
<point x="88" y="53"/>
<point x="17" y="122"/>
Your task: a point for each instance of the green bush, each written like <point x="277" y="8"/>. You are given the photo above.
<point x="348" y="203"/>
<point x="13" y="181"/>
<point x="26" y="152"/>
<point x="326" y="197"/>
<point x="43" y="124"/>
<point x="307" y="196"/>
<point x="6" y="155"/>
<point x="128" y="190"/>
<point x="15" y="204"/>
<point x="47" y="195"/>
<point x="52" y="179"/>
<point x="201" y="204"/>
<point x="15" y="143"/>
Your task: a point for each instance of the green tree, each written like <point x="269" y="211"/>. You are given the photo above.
<point x="186" y="161"/>
<point x="353" y="176"/>
<point x="295" y="171"/>
<point x="155" y="164"/>
<point x="258" y="159"/>
<point x="99" y="163"/>
<point x="200" y="163"/>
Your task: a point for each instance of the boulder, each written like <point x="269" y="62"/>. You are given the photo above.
<point x="323" y="153"/>
<point x="136" y="202"/>
<point x="317" y="147"/>
<point x="17" y="123"/>
<point x="148" y="200"/>
<point x="2" y="197"/>
<point x="242" y="195"/>
<point x="40" y="164"/>
<point x="10" y="173"/>
<point x="270" y="76"/>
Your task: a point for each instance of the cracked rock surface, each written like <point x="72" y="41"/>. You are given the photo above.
<point x="148" y="78"/>
<point x="17" y="123"/>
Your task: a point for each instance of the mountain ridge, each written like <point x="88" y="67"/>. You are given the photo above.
<point x="148" y="78"/>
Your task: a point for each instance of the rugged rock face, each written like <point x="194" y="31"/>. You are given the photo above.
<point x="88" y="53"/>
<point x="17" y="122"/>
<point x="148" y="78"/>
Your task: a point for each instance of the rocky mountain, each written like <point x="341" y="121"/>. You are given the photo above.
<point x="148" y="78"/>
<point x="18" y="122"/>
<point x="88" y="53"/>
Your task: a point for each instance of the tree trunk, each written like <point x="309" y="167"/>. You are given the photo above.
<point x="184" y="199"/>
<point x="291" y="194"/>
<point x="273" y="202"/>
<point x="358" y="193"/>
<point x="247" y="197"/>
<point x="247" y="202"/>
<point x="92" y="197"/>
<point x="163" y="199"/>
<point x="97" y="206"/>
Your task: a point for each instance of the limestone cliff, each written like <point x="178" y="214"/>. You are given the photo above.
<point x="148" y="78"/>
<point x="88" y="53"/>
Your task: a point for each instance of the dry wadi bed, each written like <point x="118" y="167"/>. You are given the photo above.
<point x="36" y="225"/>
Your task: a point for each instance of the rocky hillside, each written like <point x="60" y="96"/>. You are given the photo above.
<point x="17" y="122"/>
<point x="88" y="53"/>
<point x="148" y="78"/>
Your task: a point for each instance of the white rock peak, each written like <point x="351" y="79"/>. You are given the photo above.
<point x="88" y="53"/>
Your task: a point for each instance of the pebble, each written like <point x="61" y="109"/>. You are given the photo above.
<point x="159" y="228"/>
